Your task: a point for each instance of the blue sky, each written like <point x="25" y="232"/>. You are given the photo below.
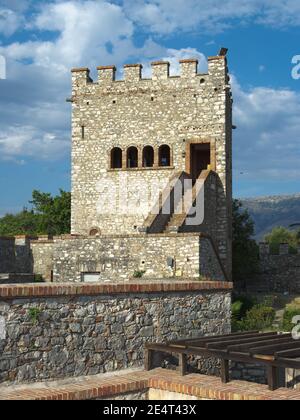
<point x="43" y="40"/>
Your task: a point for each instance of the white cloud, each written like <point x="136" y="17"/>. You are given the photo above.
<point x="267" y="138"/>
<point x="9" y="21"/>
<point x="28" y="141"/>
<point x="213" y="16"/>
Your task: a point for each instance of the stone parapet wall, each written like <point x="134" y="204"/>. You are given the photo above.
<point x="42" y="257"/>
<point x="122" y="257"/>
<point x="279" y="273"/>
<point x="15" y="255"/>
<point x="60" y="331"/>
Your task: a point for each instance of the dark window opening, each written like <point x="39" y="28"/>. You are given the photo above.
<point x="148" y="157"/>
<point x="116" y="158"/>
<point x="132" y="157"/>
<point x="200" y="159"/>
<point x="82" y="131"/>
<point x="164" y="156"/>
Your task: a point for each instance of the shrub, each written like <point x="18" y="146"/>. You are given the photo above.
<point x="259" y="317"/>
<point x="138" y="274"/>
<point x="241" y="305"/>
<point x="38" y="278"/>
<point x="34" y="314"/>
<point x="289" y="314"/>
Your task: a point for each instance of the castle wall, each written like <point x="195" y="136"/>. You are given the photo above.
<point x="278" y="273"/>
<point x="63" y="331"/>
<point x="15" y="255"/>
<point x="138" y="112"/>
<point x="42" y="256"/>
<point x="120" y="257"/>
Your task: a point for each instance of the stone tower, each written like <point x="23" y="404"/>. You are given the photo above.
<point x="144" y="132"/>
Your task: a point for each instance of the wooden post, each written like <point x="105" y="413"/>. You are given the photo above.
<point x="225" y="371"/>
<point x="148" y="359"/>
<point x="182" y="364"/>
<point x="272" y="378"/>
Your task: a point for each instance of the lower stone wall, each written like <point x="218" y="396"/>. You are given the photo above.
<point x="247" y="372"/>
<point x="60" y="331"/>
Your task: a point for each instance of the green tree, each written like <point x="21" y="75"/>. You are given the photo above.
<point x="245" y="250"/>
<point x="23" y="223"/>
<point x="48" y="216"/>
<point x="54" y="212"/>
<point x="281" y="235"/>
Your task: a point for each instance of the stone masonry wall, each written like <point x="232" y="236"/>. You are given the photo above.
<point x="15" y="255"/>
<point x="120" y="257"/>
<point x="163" y="110"/>
<point x="74" y="331"/>
<point x="278" y="273"/>
<point x="42" y="255"/>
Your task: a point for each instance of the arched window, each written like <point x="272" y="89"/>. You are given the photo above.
<point x="148" y="157"/>
<point x="116" y="158"/>
<point x="164" y="155"/>
<point x="132" y="157"/>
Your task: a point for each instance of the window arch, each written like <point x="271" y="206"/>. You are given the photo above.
<point x="132" y="157"/>
<point x="164" y="155"/>
<point x="95" y="232"/>
<point x="148" y="157"/>
<point x="116" y="158"/>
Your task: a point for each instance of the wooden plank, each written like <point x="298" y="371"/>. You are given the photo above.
<point x="264" y="357"/>
<point x="263" y="341"/>
<point x="188" y="341"/>
<point x="272" y="377"/>
<point x="288" y="353"/>
<point x="225" y="371"/>
<point x="288" y="363"/>
<point x="232" y="339"/>
<point x="235" y="341"/>
<point x="272" y="349"/>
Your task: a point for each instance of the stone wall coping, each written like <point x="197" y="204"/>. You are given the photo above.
<point x="90" y="289"/>
<point x="80" y="69"/>
<point x="106" y="68"/>
<point x="110" y="385"/>
<point x="189" y="60"/>
<point x="132" y="65"/>
<point x="217" y="57"/>
<point x="160" y="63"/>
<point x="135" y="236"/>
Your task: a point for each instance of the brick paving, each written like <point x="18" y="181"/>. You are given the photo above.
<point x="105" y="386"/>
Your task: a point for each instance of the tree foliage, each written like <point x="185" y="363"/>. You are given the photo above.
<point x="245" y="250"/>
<point x="281" y="235"/>
<point x="48" y="216"/>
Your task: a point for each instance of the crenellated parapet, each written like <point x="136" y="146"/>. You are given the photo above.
<point x="217" y="69"/>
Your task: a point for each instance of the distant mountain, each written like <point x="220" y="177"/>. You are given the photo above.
<point x="269" y="212"/>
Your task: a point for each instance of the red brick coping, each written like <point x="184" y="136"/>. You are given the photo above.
<point x="86" y="289"/>
<point x="108" y="386"/>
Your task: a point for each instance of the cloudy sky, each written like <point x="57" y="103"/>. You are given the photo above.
<point x="42" y="40"/>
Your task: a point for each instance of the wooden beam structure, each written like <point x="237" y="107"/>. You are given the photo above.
<point x="272" y="350"/>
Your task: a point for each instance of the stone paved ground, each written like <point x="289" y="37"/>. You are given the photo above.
<point x="110" y="385"/>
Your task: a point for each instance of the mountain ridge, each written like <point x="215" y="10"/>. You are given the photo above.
<point x="271" y="211"/>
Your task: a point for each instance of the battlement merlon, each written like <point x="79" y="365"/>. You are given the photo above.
<point x="217" y="69"/>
